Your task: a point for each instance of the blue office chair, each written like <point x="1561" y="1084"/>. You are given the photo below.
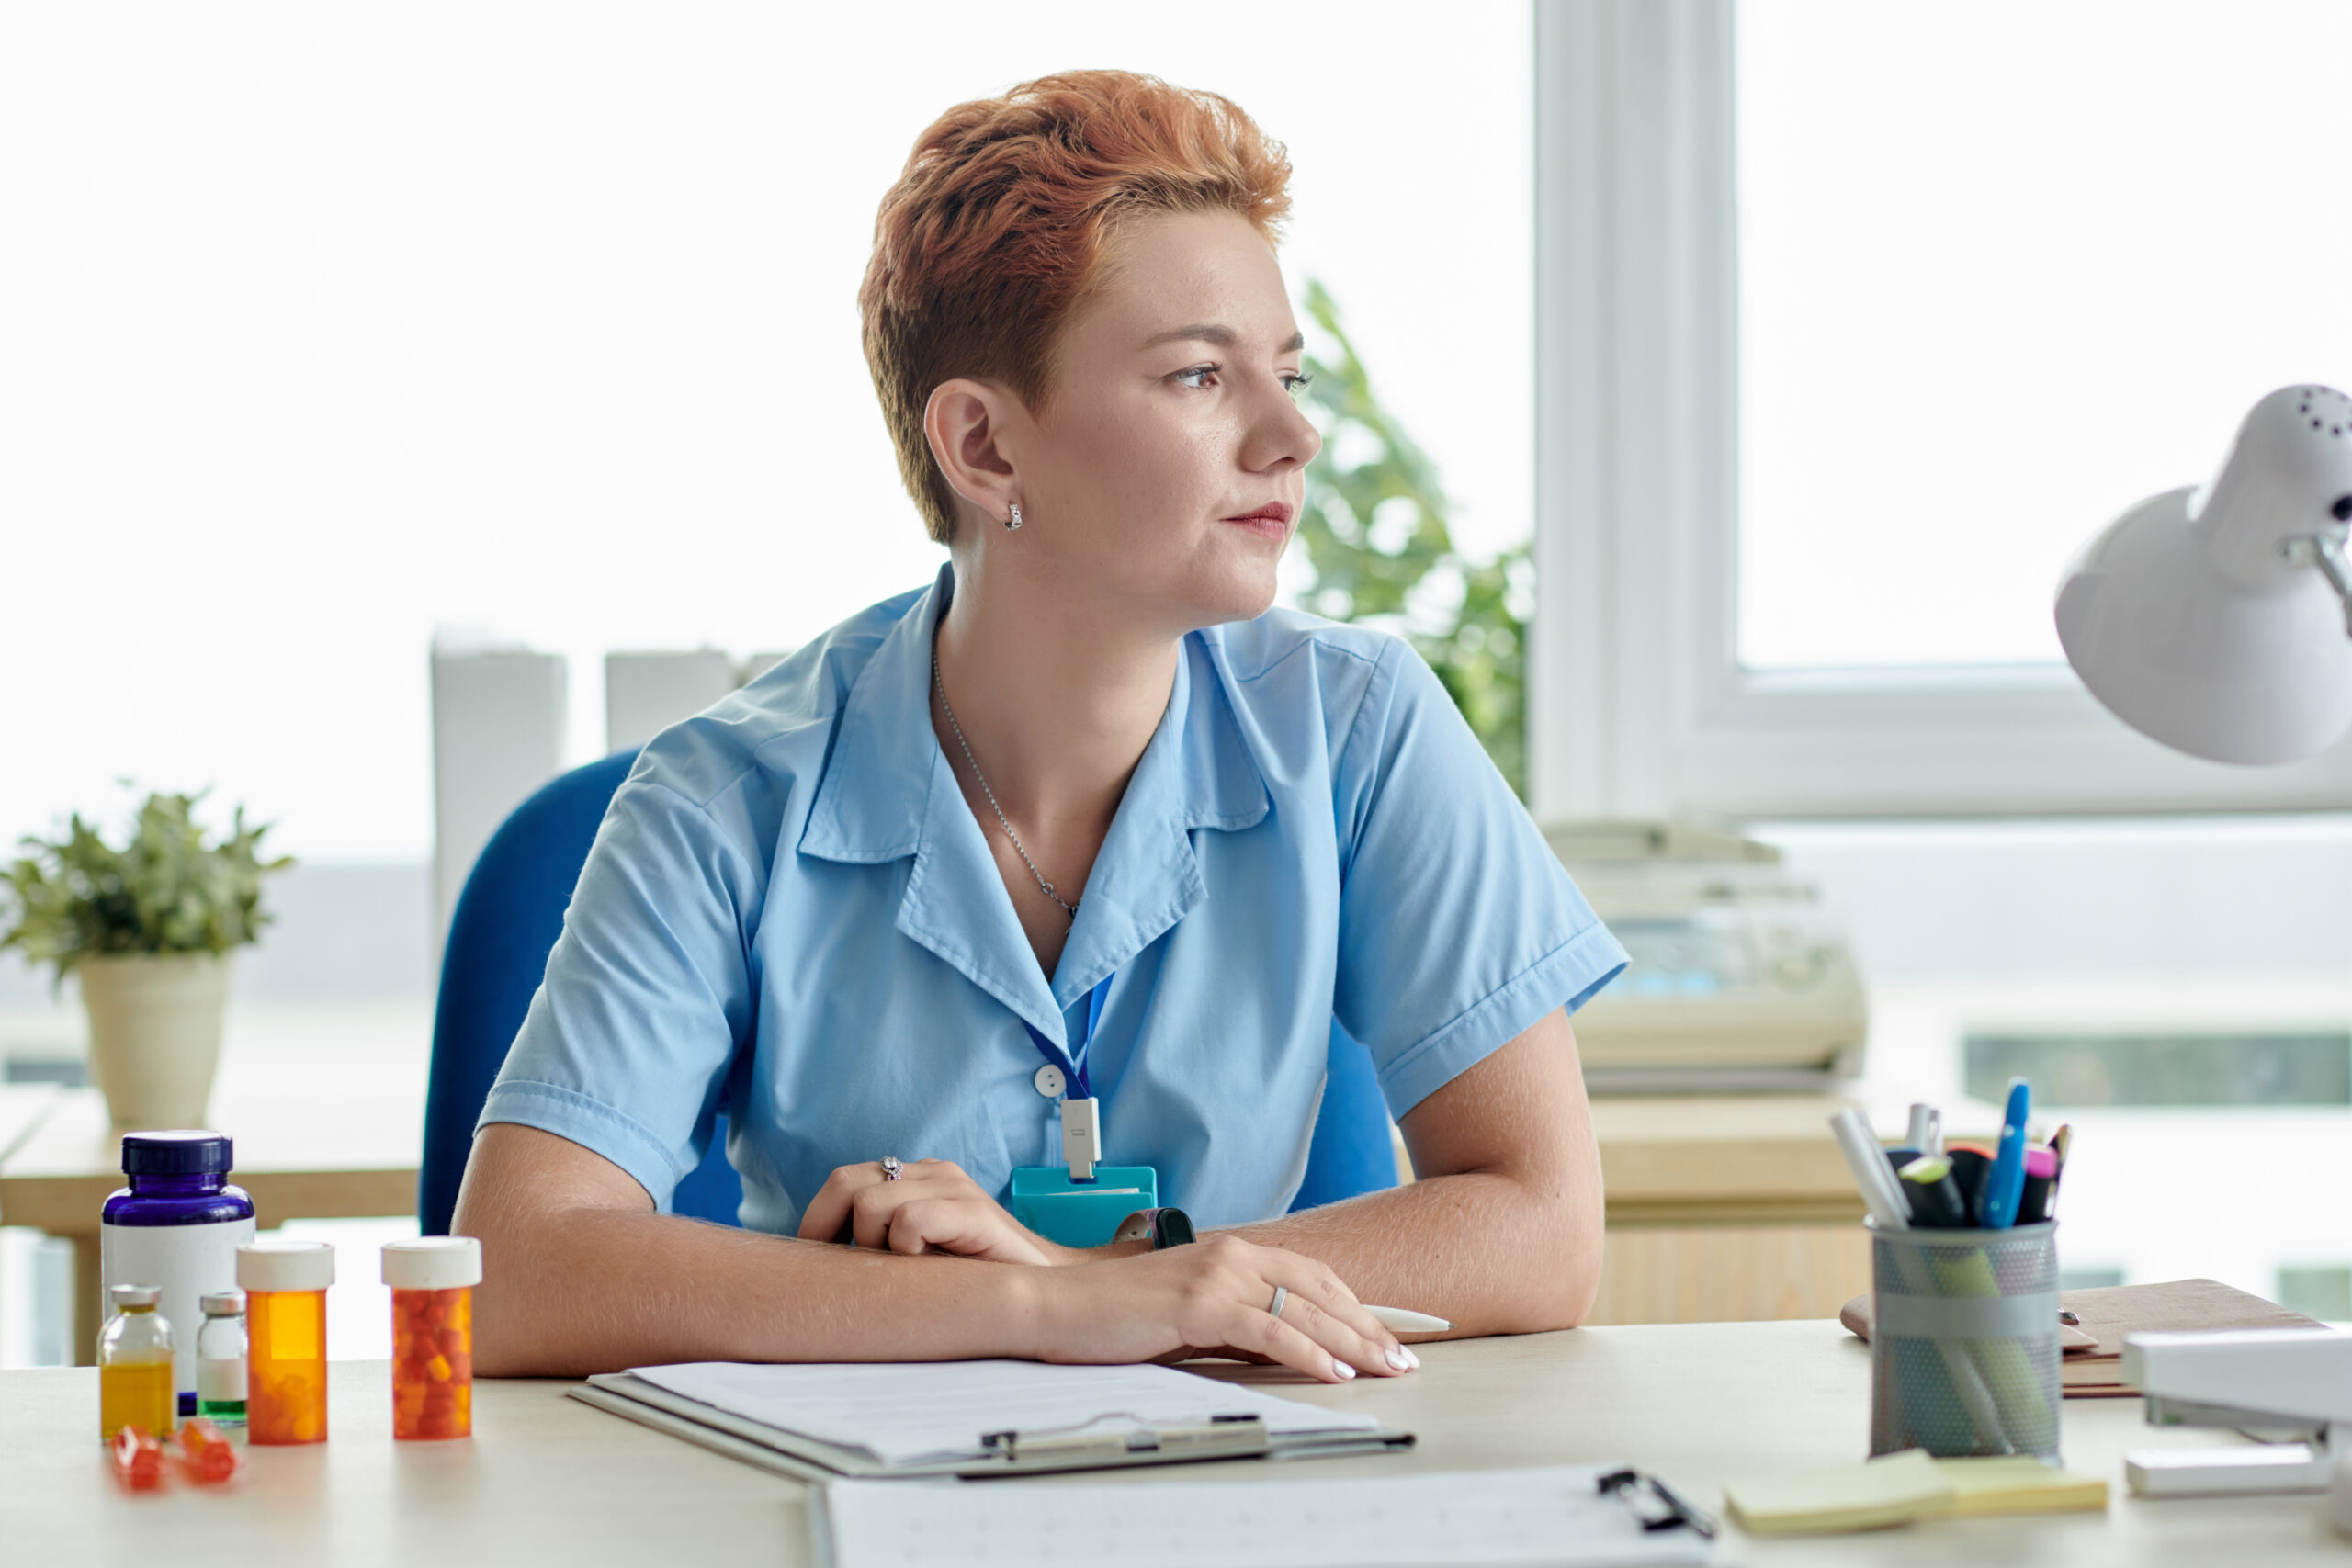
<point x="506" y="921"/>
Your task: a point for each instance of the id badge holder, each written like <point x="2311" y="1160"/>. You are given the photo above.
<point x="1081" y="1203"/>
<point x="1048" y="1200"/>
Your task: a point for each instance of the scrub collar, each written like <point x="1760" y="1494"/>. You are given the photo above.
<point x="887" y="793"/>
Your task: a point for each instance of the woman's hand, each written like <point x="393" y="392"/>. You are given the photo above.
<point x="1211" y="1298"/>
<point x="933" y="1207"/>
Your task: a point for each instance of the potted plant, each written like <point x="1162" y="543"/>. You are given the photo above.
<point x="150" y="929"/>
<point x="1376" y="535"/>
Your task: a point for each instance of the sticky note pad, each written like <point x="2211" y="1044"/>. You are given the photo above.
<point x="1900" y="1488"/>
<point x="2015" y="1486"/>
<point x="1892" y="1489"/>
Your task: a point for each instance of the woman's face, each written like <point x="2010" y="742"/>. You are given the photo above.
<point x="1166" y="470"/>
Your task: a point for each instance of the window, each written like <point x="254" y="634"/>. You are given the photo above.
<point x="1853" y="323"/>
<point x="333" y="325"/>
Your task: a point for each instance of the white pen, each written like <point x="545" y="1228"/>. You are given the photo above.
<point x="1396" y="1320"/>
<point x="1866" y="1160"/>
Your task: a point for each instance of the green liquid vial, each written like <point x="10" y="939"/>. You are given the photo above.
<point x="221" y="1360"/>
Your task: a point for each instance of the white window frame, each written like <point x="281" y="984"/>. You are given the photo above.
<point x="1638" y="706"/>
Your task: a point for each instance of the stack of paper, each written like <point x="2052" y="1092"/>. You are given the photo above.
<point x="1901" y="1489"/>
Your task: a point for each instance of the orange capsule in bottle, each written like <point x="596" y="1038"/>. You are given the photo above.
<point x="433" y="1279"/>
<point x="286" y="1333"/>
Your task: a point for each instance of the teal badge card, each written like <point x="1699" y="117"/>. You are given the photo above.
<point x="1081" y="1214"/>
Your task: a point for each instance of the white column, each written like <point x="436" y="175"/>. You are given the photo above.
<point x="498" y="735"/>
<point x="647" y="692"/>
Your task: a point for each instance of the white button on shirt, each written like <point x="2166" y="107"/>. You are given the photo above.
<point x="790" y="909"/>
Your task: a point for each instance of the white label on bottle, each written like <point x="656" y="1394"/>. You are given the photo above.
<point x="220" y="1379"/>
<point x="187" y="1262"/>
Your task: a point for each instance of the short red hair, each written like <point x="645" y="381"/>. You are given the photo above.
<point x="999" y="228"/>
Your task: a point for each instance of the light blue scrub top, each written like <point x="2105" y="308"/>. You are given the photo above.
<point x="791" y="910"/>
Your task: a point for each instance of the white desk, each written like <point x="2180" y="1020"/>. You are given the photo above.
<point x="547" y="1479"/>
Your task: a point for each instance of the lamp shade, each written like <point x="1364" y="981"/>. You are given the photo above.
<point x="2205" y="618"/>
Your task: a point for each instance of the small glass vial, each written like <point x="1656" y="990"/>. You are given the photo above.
<point x="135" y="1365"/>
<point x="221" y="1360"/>
<point x="285" y="1355"/>
<point x="433" y="1279"/>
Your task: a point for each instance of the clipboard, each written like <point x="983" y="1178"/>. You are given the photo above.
<point x="1549" y="1517"/>
<point x="1008" y="1454"/>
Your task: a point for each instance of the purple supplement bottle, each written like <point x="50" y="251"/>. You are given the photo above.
<point x="177" y="1227"/>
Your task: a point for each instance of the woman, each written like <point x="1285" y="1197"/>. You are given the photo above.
<point x="1085" y="802"/>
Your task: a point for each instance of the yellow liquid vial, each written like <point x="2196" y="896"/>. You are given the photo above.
<point x="137" y="1393"/>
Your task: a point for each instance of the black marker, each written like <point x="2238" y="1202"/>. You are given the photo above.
<point x="1936" y="1200"/>
<point x="1968" y="1166"/>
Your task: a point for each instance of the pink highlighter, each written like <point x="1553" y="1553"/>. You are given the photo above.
<point x="2039" y="1201"/>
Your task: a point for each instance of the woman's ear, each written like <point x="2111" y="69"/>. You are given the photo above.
<point x="966" y="423"/>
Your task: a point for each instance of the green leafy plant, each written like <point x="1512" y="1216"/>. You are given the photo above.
<point x="167" y="890"/>
<point x="1377" y="534"/>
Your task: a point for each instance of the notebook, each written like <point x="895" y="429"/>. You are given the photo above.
<point x="2091" y="1366"/>
<point x="1557" y="1518"/>
<point x="2110" y="1312"/>
<point x="974" y="1418"/>
<point x="1905" y="1488"/>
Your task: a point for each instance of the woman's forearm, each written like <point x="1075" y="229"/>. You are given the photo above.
<point x="1504" y="1235"/>
<point x="574" y="1282"/>
<point x="1484" y="1251"/>
<point x="610" y="1291"/>
<point x="580" y="1276"/>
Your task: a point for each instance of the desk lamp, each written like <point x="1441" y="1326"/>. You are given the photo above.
<point x="2219" y="621"/>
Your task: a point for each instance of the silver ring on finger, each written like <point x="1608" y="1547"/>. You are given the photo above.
<point x="891" y="1169"/>
<point x="1282" y="1299"/>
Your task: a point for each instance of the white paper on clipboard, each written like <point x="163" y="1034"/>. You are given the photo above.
<point x="1555" y="1517"/>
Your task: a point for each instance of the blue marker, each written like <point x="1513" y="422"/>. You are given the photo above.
<point x="1997" y="1207"/>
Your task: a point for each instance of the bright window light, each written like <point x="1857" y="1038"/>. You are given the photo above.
<point x="326" y="325"/>
<point x="2006" y="269"/>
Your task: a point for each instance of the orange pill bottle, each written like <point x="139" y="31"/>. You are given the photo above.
<point x="433" y="1279"/>
<point x="285" y="1331"/>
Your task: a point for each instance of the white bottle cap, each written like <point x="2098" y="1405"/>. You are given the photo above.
<point x="134" y="1295"/>
<point x="285" y="1266"/>
<point x="433" y="1263"/>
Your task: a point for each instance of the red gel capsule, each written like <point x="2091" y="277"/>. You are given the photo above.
<point x="138" y="1459"/>
<point x="205" y="1454"/>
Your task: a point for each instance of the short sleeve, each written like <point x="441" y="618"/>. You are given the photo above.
<point x="627" y="1044"/>
<point x="1459" y="928"/>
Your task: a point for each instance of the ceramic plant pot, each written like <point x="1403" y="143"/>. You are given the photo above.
<point x="155" y="1033"/>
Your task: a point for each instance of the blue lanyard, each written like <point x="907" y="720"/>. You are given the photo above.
<point x="1073" y="1067"/>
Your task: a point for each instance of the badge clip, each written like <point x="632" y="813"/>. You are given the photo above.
<point x="1081" y="1137"/>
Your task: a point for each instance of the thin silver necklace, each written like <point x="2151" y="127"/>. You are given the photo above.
<point x="949" y="708"/>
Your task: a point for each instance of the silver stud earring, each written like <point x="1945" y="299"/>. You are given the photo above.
<point x="1013" y="520"/>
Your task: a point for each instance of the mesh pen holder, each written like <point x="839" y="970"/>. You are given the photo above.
<point x="1965" y="1341"/>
